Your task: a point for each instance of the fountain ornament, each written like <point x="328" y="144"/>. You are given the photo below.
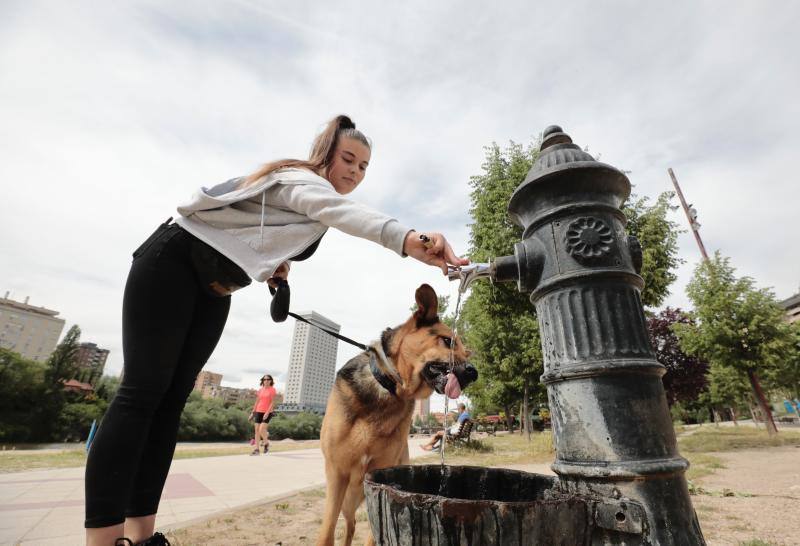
<point x="619" y="478"/>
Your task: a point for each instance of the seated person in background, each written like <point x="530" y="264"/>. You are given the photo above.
<point x="463" y="415"/>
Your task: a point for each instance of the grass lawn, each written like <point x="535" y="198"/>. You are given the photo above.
<point x="19" y="460"/>
<point x="497" y="451"/>
<point x="714" y="439"/>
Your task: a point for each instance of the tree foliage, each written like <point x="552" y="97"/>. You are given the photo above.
<point x="21" y="387"/>
<point x="686" y="374"/>
<point x="737" y="324"/>
<point x="658" y="236"/>
<point x="739" y="329"/>
<point x="499" y="322"/>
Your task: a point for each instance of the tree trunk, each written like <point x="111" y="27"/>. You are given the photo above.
<point x="753" y="414"/>
<point x="525" y="410"/>
<point x="509" y="419"/>
<point x="521" y="418"/>
<point x="762" y="403"/>
<point x="733" y="415"/>
<point x="716" y="416"/>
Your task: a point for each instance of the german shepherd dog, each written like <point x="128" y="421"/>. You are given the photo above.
<point x="370" y="408"/>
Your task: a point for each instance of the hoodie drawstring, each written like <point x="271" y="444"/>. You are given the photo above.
<point x="263" y="203"/>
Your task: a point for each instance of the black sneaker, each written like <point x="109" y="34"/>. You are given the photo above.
<point x="156" y="540"/>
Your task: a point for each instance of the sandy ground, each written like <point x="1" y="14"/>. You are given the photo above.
<point x="765" y="505"/>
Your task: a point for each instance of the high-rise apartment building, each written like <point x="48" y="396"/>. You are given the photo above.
<point x="206" y="379"/>
<point x="91" y="362"/>
<point x="312" y="364"/>
<point x="31" y="331"/>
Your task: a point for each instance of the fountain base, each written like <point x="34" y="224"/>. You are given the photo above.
<point x="453" y="505"/>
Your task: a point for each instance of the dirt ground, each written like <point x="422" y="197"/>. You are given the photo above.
<point x="755" y="497"/>
<point x="765" y="501"/>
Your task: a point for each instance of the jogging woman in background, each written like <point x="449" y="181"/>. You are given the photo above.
<point x="177" y="299"/>
<point x="262" y="412"/>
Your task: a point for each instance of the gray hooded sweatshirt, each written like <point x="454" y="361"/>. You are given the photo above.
<point x="277" y="218"/>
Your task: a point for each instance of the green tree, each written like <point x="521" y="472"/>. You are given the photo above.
<point x="658" y="236"/>
<point x="21" y="388"/>
<point x="207" y="419"/>
<point x="727" y="388"/>
<point x="499" y="322"/>
<point x="737" y="326"/>
<point x="107" y="387"/>
<point x="75" y="419"/>
<point x="62" y="363"/>
<point x="60" y="367"/>
<point x="788" y="371"/>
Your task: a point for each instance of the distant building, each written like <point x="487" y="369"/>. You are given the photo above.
<point x="792" y="308"/>
<point x="312" y="365"/>
<point x="229" y="395"/>
<point x="422" y="408"/>
<point x="31" y="331"/>
<point x="73" y="385"/>
<point x="206" y="379"/>
<point x="91" y="362"/>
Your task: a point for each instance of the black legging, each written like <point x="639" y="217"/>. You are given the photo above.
<point x="169" y="329"/>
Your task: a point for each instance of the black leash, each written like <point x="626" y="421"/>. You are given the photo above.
<point x="279" y="310"/>
<point x="334" y="334"/>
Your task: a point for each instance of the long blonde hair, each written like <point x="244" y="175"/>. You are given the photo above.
<point x="322" y="150"/>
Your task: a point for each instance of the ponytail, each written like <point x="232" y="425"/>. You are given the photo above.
<point x="322" y="150"/>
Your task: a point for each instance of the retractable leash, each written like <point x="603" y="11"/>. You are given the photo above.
<point x="279" y="310"/>
<point x="281" y="296"/>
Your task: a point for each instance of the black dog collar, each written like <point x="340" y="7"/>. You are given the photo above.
<point x="385" y="381"/>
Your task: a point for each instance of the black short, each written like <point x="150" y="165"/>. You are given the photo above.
<point x="258" y="416"/>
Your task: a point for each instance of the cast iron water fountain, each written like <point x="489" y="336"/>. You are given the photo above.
<point x="620" y="479"/>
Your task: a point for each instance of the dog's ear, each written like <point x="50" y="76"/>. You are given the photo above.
<point x="427" y="306"/>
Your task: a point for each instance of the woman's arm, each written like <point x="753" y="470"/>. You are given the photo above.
<point x="334" y="210"/>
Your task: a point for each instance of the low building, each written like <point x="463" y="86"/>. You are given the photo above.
<point x="73" y="385"/>
<point x="792" y="308"/>
<point x="229" y="395"/>
<point x="207" y="379"/>
<point x="31" y="331"/>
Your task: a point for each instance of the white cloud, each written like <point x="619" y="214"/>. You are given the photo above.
<point x="112" y="114"/>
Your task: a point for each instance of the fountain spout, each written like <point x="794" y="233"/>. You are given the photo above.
<point x="467" y="274"/>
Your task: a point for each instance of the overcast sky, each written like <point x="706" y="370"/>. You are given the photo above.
<point x="111" y="113"/>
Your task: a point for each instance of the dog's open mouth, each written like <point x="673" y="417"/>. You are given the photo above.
<point x="443" y="381"/>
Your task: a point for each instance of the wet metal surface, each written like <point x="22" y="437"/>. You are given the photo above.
<point x="620" y="477"/>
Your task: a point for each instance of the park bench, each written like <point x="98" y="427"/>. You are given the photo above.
<point x="462" y="436"/>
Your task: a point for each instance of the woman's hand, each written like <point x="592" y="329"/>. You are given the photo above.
<point x="281" y="273"/>
<point x="435" y="250"/>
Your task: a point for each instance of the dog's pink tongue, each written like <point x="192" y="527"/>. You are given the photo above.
<point x="452" y="389"/>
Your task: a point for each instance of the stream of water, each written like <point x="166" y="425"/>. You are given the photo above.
<point x="452" y="367"/>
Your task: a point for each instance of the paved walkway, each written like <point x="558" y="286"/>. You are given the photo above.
<point x="45" y="507"/>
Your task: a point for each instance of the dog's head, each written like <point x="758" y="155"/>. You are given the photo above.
<point x="421" y="350"/>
